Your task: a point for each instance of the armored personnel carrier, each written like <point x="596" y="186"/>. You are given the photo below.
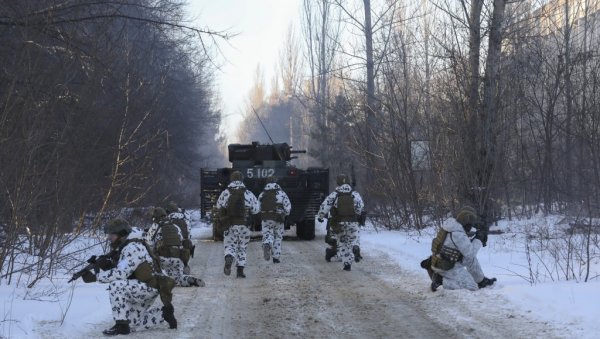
<point x="306" y="188"/>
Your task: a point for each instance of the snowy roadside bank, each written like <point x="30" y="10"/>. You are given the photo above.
<point x="569" y="307"/>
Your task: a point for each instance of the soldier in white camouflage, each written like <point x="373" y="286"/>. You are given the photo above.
<point x="177" y="216"/>
<point x="166" y="240"/>
<point x="275" y="205"/>
<point x="454" y="255"/>
<point x="344" y="206"/>
<point x="235" y="203"/>
<point x="130" y="271"/>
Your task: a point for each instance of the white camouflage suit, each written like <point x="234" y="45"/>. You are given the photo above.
<point x="348" y="237"/>
<point x="131" y="299"/>
<point x="272" y="231"/>
<point x="236" y="238"/>
<point x="173" y="267"/>
<point x="467" y="272"/>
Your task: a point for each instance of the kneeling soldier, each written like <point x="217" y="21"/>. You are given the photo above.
<point x="133" y="286"/>
<point x="166" y="240"/>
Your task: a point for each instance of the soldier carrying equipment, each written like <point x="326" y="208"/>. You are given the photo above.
<point x="270" y="209"/>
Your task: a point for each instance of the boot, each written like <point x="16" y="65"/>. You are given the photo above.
<point x="121" y="327"/>
<point x="356" y="252"/>
<point x="486" y="282"/>
<point x="196" y="282"/>
<point x="228" y="262"/>
<point x="436" y="281"/>
<point x="267" y="251"/>
<point x="347" y="267"/>
<point x="275" y="261"/>
<point x="240" y="272"/>
<point x="329" y="253"/>
<point x="168" y="313"/>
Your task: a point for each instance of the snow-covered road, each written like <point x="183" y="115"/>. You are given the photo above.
<point x="307" y="297"/>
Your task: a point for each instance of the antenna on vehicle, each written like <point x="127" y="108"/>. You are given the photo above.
<point x="263" y="125"/>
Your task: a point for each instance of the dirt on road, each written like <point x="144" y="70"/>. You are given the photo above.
<point x="306" y="297"/>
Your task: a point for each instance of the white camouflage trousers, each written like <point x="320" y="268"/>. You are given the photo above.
<point x="173" y="267"/>
<point x="272" y="232"/>
<point x="464" y="274"/>
<point x="346" y="239"/>
<point x="236" y="240"/>
<point x="132" y="300"/>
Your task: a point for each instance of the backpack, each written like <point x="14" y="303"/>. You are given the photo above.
<point x="236" y="206"/>
<point x="182" y="226"/>
<point x="270" y="209"/>
<point x="169" y="245"/>
<point x="344" y="211"/>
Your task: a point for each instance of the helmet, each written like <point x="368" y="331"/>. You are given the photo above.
<point x="171" y="207"/>
<point x="467" y="208"/>
<point x="236" y="176"/>
<point x="158" y="212"/>
<point x="466" y="217"/>
<point x="341" y="179"/>
<point x="271" y="179"/>
<point x="117" y="226"/>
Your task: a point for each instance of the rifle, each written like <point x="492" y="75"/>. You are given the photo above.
<point x="104" y="262"/>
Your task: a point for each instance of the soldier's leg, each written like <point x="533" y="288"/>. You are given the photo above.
<point x="143" y="315"/>
<point x="173" y="267"/>
<point x="345" y="246"/>
<point x="243" y="240"/>
<point x="458" y="278"/>
<point x="119" y="296"/>
<point x="277" y="240"/>
<point x="352" y="232"/>
<point x="229" y="243"/>
<point x="474" y="269"/>
<point x="267" y="232"/>
<point x="268" y="237"/>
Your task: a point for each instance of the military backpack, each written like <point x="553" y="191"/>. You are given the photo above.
<point x="342" y="211"/>
<point x="236" y="206"/>
<point x="170" y="245"/>
<point x="270" y="209"/>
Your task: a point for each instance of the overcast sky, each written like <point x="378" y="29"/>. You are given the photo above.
<point x="261" y="26"/>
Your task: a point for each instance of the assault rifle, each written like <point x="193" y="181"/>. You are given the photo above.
<point x="104" y="262"/>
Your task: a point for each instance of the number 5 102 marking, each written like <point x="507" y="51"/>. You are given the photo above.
<point x="260" y="172"/>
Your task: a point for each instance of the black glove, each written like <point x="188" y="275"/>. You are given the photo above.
<point x="482" y="235"/>
<point x="88" y="277"/>
<point x="320" y="219"/>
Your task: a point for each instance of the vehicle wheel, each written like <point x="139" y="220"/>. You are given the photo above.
<point x="216" y="235"/>
<point x="305" y="230"/>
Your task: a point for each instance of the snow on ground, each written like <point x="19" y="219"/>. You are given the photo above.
<point x="570" y="307"/>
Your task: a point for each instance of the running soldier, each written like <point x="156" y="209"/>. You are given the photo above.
<point x="166" y="240"/>
<point x="134" y="282"/>
<point x="234" y="204"/>
<point x="345" y="206"/>
<point x="274" y="207"/>
<point x="177" y="216"/>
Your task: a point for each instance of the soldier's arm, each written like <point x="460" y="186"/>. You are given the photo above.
<point x="148" y="237"/>
<point x="287" y="205"/>
<point x="327" y="204"/>
<point x="251" y="202"/>
<point x="222" y="201"/>
<point x="467" y="248"/>
<point x="131" y="257"/>
<point x="359" y="205"/>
